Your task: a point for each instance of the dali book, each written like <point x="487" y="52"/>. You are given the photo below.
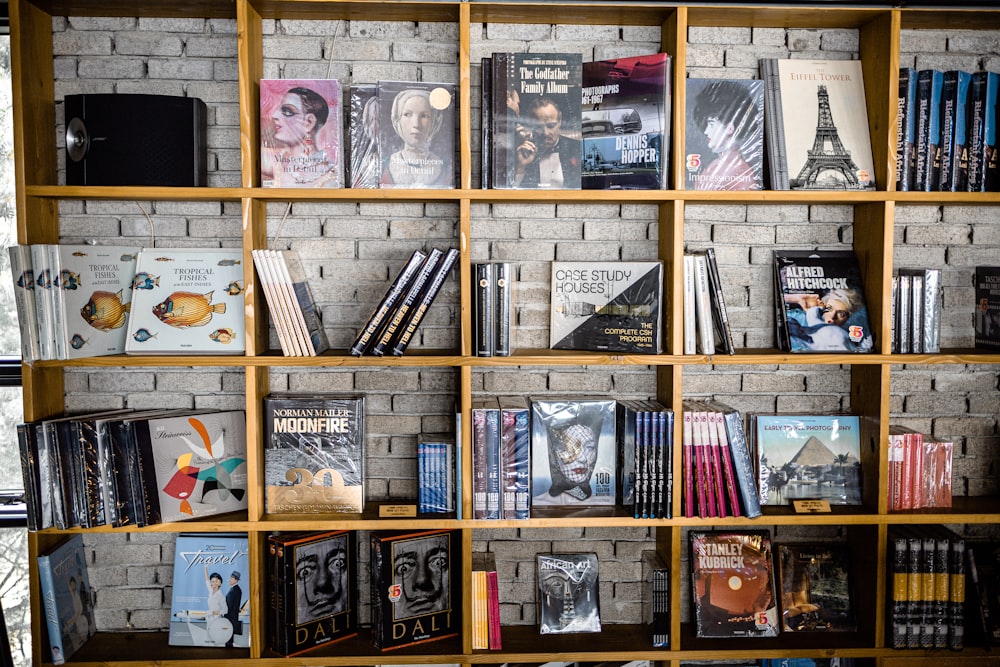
<point x="568" y="595"/>
<point x="724" y="147"/>
<point x="301" y="130"/>
<point x="416" y="134"/>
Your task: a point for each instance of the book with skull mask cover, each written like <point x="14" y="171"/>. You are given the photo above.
<point x="568" y="598"/>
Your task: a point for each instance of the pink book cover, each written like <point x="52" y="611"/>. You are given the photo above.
<point x="301" y="133"/>
<point x="717" y="466"/>
<point x="897" y="448"/>
<point x="687" y="453"/>
<point x="728" y="472"/>
<point x="707" y="487"/>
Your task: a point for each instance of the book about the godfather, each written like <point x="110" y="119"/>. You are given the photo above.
<point x="821" y="302"/>
<point x="820" y="139"/>
<point x="808" y="457"/>
<point x="626" y="123"/>
<point x="210" y="604"/>
<point x="66" y="597"/>
<point x="815" y="587"/>
<point x="724" y="147"/>
<point x="606" y="306"/>
<point x="568" y="595"/>
<point x="537" y="120"/>
<point x="987" y="315"/>
<point x="416" y="134"/>
<point x="187" y="301"/>
<point x="315" y="589"/>
<point x="301" y="127"/>
<point x="732" y="584"/>
<point x="573" y="452"/>
<point x="314" y="453"/>
<point x="194" y="465"/>
<point x="415" y="587"/>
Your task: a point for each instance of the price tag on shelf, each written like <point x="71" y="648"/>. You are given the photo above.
<point x="395" y="511"/>
<point x="811" y="506"/>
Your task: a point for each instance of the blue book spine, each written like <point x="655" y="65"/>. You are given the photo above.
<point x="47" y="584"/>
<point x="906" y="129"/>
<point x="493" y="484"/>
<point x="954" y="149"/>
<point x="522" y="457"/>
<point x="932" y="178"/>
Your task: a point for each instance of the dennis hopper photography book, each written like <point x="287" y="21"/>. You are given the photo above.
<point x="210" y="603"/>
<point x="725" y="135"/>
<point x="568" y="595"/>
<point x="66" y="597"/>
<point x="808" y="457"/>
<point x="301" y="131"/>
<point x="314" y="453"/>
<point x="606" y="306"/>
<point x="815" y="588"/>
<point x="732" y="584"/>
<point x="416" y="134"/>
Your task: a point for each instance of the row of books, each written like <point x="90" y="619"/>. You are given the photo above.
<point x="439" y="480"/>
<point x="646" y="435"/>
<point x="656" y="597"/>
<point x="486" y="631"/>
<point x="916" y="311"/>
<point x="987" y="310"/>
<point x="77" y="301"/>
<point x="296" y="317"/>
<point x="920" y="470"/>
<point x="492" y="308"/>
<point x="103" y="468"/>
<point x="501" y="458"/>
<point x="706" y="322"/>
<point x="390" y="328"/>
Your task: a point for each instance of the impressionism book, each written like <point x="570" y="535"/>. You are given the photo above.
<point x="193" y="466"/>
<point x="606" y="306"/>
<point x="573" y="453"/>
<point x="301" y="127"/>
<point x="66" y="597"/>
<point x="987" y="314"/>
<point x="732" y="584"/>
<point x="210" y="604"/>
<point x="416" y="587"/>
<point x="314" y="453"/>
<point x="724" y="134"/>
<point x="815" y="587"/>
<point x="626" y="123"/>
<point x="568" y="594"/>
<point x="821" y="302"/>
<point x="416" y="134"/>
<point x="187" y="301"/>
<point x="808" y="457"/>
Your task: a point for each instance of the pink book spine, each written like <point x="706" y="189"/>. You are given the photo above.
<point x="728" y="472"/>
<point x="687" y="453"/>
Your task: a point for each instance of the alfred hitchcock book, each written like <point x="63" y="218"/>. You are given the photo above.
<point x="808" y="457"/>
<point x="732" y="584"/>
<point x="314" y="453"/>
<point x="416" y="142"/>
<point x="210" y="603"/>
<point x="568" y="593"/>
<point x="66" y="597"/>
<point x="725" y="134"/>
<point x="626" y="123"/>
<point x="301" y="133"/>
<point x="606" y="306"/>
<point x="816" y="593"/>
<point x="821" y="302"/>
<point x="987" y="315"/>
<point x="416" y="587"/>
<point x="187" y="301"/>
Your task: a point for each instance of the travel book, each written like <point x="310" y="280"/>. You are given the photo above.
<point x="416" y="134"/>
<point x="67" y="598"/>
<point x="820" y="301"/>
<point x="732" y="584"/>
<point x="301" y="128"/>
<point x="626" y="123"/>
<point x="568" y="593"/>
<point x="210" y="602"/>
<point x="815" y="583"/>
<point x="314" y="453"/>
<point x="606" y="306"/>
<point x="987" y="309"/>
<point x="724" y="134"/>
<point x="187" y="301"/>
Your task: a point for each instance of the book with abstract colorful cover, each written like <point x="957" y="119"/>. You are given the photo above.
<point x="210" y="603"/>
<point x="67" y="598"/>
<point x="816" y="594"/>
<point x="301" y="131"/>
<point x="187" y="301"/>
<point x="725" y="134"/>
<point x="416" y="140"/>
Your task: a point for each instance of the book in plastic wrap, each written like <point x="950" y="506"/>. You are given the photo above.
<point x="606" y="306"/>
<point x="210" y="603"/>
<point x="363" y="166"/>
<point x="415" y="587"/>
<point x="626" y="123"/>
<point x="573" y="452"/>
<point x="416" y="134"/>
<point x="301" y="128"/>
<point x="808" y="457"/>
<point x="816" y="593"/>
<point x="66" y="597"/>
<point x="187" y="301"/>
<point x="314" y="453"/>
<point x="725" y="134"/>
<point x="656" y="597"/>
<point x="568" y="593"/>
<point x="732" y="584"/>
<point x="987" y="313"/>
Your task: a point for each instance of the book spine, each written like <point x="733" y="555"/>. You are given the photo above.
<point x="479" y="444"/>
<point x="486" y="122"/>
<point x="29" y="472"/>
<point x="24" y="300"/>
<point x="914" y="548"/>
<point x="443" y="270"/>
<point x="500" y="122"/>
<point x="932" y="180"/>
<point x="701" y="488"/>
<point x="717" y="466"/>
<point x="906" y="129"/>
<point x="493" y="610"/>
<point x="894" y="317"/>
<point x="46" y="584"/>
<point x="687" y="453"/>
<point x="942" y="581"/>
<point x="503" y="274"/>
<point x="956" y="594"/>
<point x="508" y="462"/>
<point x="640" y="464"/>
<point x="719" y="314"/>
<point x="899" y="610"/>
<point x="661" y="608"/>
<point x="484" y="311"/>
<point x="386" y="305"/>
<point x="958" y="180"/>
<point x="925" y="83"/>
<point x="306" y="310"/>
<point x="522" y="457"/>
<point x="932" y="306"/>
<point x="740" y="450"/>
<point x="493" y="483"/>
<point x="703" y="308"/>
<point x="927" y="576"/>
<point x="949" y="99"/>
<point x="728" y="472"/>
<point x="690" y="318"/>
<point x="897" y="446"/>
<point x="905" y="304"/>
<point x="410" y="300"/>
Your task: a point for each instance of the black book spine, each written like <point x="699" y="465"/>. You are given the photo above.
<point x="147" y="472"/>
<point x="503" y="275"/>
<point x="924" y="88"/>
<point x="949" y="99"/>
<point x="27" y="449"/>
<point x="385" y="307"/>
<point x="719" y="314"/>
<point x="483" y="311"/>
<point x="443" y="270"/>
<point x="906" y="129"/>
<point x="977" y="127"/>
<point x="486" y="123"/>
<point x="123" y="466"/>
<point x="400" y="315"/>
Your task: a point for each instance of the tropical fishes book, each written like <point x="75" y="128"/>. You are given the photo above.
<point x="187" y="301"/>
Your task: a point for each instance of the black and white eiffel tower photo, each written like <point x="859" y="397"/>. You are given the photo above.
<point x="829" y="165"/>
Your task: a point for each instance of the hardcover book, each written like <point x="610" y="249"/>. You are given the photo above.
<point x="656" y="597"/>
<point x="415" y="587"/>
<point x="606" y="306"/>
<point x="987" y="315"/>
<point x="725" y="134"/>
<point x="808" y="457"/>
<point x="515" y="457"/>
<point x="380" y="317"/>
<point x="983" y="91"/>
<point x="66" y="597"/>
<point x="568" y="593"/>
<point x="427" y="296"/>
<point x="906" y="130"/>
<point x="954" y="147"/>
<point x="816" y="593"/>
<point x="210" y="603"/>
<point x="187" y="301"/>
<point x="301" y="128"/>
<point x="23" y="275"/>
<point x="822" y="301"/>
<point x="626" y="123"/>
<point x="928" y="171"/>
<point x="573" y="455"/>
<point x="363" y="166"/>
<point x="314" y="453"/>
<point x="416" y="134"/>
<point x="732" y="584"/>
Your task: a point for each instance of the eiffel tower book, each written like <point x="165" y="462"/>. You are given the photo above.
<point x="568" y="593"/>
<point x="820" y="301"/>
<point x="815" y="583"/>
<point x="725" y="135"/>
<point x="606" y="306"/>
<point x="987" y="310"/>
<point x="301" y="128"/>
<point x="626" y="123"/>
<point x="416" y="141"/>
<point x="808" y="457"/>
<point x="66" y="597"/>
<point x="823" y="145"/>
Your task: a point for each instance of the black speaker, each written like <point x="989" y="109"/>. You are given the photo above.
<point x="132" y="139"/>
